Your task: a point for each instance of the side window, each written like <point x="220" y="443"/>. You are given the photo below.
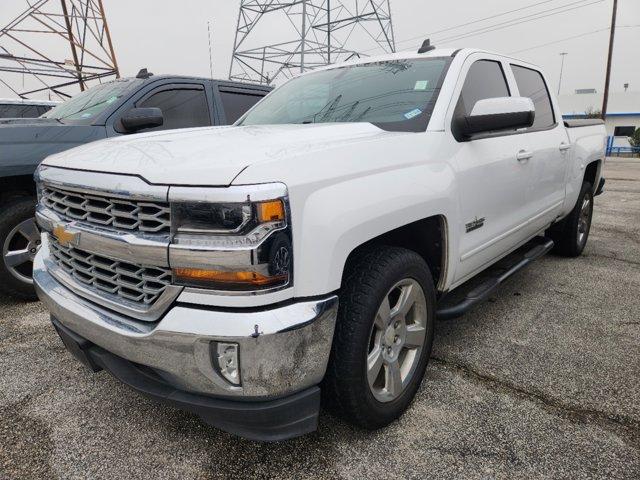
<point x="181" y="108"/>
<point x="10" y="111"/>
<point x="531" y="84"/>
<point x="485" y="79"/>
<point x="30" y="111"/>
<point x="236" y="104"/>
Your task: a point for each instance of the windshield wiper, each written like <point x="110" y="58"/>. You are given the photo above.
<point x="330" y="106"/>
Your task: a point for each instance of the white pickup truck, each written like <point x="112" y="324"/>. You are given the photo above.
<point x="244" y="273"/>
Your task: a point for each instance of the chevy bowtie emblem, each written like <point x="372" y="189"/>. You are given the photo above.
<point x="64" y="236"/>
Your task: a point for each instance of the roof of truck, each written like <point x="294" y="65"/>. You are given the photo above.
<point x="164" y="76"/>
<point x="413" y="54"/>
<point x="26" y="101"/>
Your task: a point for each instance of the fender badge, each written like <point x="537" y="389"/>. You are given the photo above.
<point x="475" y="224"/>
<point x="64" y="236"/>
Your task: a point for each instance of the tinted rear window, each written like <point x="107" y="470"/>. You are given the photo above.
<point x="531" y="84"/>
<point x="236" y="104"/>
<point x="19" y="111"/>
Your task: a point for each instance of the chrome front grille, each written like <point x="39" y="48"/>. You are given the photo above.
<point x="126" y="281"/>
<point x="106" y="212"/>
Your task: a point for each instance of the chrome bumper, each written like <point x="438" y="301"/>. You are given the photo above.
<point x="282" y="350"/>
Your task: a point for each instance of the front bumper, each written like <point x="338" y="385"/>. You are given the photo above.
<point x="269" y="420"/>
<point x="283" y="350"/>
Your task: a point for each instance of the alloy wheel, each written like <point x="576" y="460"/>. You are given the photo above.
<point x="396" y="341"/>
<point x="584" y="220"/>
<point x="20" y="248"/>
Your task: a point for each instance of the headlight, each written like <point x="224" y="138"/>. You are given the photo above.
<point x="232" y="246"/>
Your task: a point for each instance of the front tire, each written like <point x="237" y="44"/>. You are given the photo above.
<point x="383" y="338"/>
<point x="571" y="234"/>
<point x="19" y="240"/>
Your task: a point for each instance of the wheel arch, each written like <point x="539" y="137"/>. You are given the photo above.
<point x="593" y="173"/>
<point x="16" y="186"/>
<point x="428" y="237"/>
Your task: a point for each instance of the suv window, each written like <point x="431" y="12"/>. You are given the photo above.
<point x="531" y="84"/>
<point x="18" y="111"/>
<point x="181" y="108"/>
<point x="236" y="104"/>
<point x="485" y="79"/>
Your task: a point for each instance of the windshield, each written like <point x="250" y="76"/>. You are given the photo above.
<point x="394" y="95"/>
<point x="90" y="103"/>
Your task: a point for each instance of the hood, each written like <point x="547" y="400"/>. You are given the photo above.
<point x="211" y="156"/>
<point x="25" y="142"/>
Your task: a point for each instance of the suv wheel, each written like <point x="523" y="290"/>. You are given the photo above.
<point x="383" y="338"/>
<point x="20" y="240"/>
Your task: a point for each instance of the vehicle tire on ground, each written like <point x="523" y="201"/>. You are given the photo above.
<point x="571" y="234"/>
<point x="383" y="337"/>
<point x="19" y="240"/>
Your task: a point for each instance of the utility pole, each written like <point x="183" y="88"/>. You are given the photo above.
<point x="210" y="54"/>
<point x="562" y="54"/>
<point x="612" y="33"/>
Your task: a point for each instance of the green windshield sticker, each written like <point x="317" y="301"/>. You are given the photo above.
<point x="412" y="114"/>
<point x="421" y="85"/>
<point x="112" y="99"/>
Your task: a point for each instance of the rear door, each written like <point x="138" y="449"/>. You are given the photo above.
<point x="492" y="181"/>
<point x="548" y="141"/>
<point x="236" y="100"/>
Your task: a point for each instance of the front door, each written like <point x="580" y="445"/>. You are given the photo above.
<point x="493" y="173"/>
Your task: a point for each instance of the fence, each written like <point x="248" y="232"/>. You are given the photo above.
<point x="620" y="151"/>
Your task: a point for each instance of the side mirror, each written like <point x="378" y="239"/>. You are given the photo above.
<point x="139" y="118"/>
<point x="496" y="114"/>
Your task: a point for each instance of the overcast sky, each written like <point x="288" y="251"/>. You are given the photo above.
<point x="171" y="37"/>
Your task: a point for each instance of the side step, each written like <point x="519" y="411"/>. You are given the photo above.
<point x="481" y="292"/>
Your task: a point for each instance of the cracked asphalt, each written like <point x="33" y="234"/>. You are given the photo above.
<point x="543" y="381"/>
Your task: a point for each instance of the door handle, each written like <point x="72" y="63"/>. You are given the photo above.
<point x="524" y="155"/>
<point x="564" y="146"/>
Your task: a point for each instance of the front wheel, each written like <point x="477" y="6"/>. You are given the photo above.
<point x="19" y="239"/>
<point x="383" y="337"/>
<point x="570" y="235"/>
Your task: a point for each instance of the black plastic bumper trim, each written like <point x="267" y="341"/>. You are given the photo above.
<point x="270" y="420"/>
<point x="600" y="188"/>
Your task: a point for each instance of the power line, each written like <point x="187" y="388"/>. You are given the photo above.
<point x="560" y="40"/>
<point x="511" y="23"/>
<point x="454" y="27"/>
<point x="489" y="18"/>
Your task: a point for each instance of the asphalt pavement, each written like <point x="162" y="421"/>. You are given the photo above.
<point x="543" y="381"/>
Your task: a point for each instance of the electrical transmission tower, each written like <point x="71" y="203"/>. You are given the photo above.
<point x="56" y="46"/>
<point x="304" y="34"/>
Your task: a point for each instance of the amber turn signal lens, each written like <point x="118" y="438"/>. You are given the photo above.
<point x="270" y="211"/>
<point x="217" y="276"/>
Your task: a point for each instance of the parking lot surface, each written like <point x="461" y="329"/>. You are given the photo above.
<point x="543" y="381"/>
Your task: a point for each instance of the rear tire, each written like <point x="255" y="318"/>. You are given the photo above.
<point x="19" y="240"/>
<point x="378" y="357"/>
<point x="571" y="234"/>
